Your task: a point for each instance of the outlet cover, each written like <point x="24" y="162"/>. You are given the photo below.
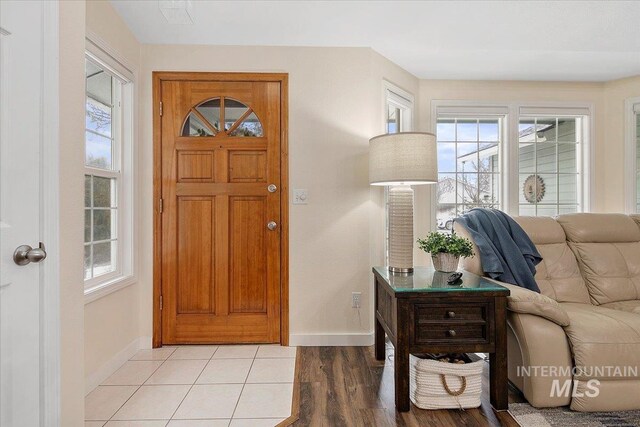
<point x="355" y="299"/>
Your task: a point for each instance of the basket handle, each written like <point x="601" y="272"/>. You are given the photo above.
<point x="443" y="379"/>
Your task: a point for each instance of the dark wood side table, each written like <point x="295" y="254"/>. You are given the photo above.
<point x="421" y="313"/>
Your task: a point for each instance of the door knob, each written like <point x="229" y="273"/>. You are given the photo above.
<point x="25" y="254"/>
<point x="272" y="188"/>
<point x="272" y="225"/>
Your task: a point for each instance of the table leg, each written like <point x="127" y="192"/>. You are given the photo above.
<point x="401" y="362"/>
<point x="498" y="380"/>
<point x="380" y="341"/>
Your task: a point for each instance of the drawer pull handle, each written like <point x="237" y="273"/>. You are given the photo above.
<point x="451" y="314"/>
<point x="452" y="333"/>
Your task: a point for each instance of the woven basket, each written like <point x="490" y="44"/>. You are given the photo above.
<point x="439" y="385"/>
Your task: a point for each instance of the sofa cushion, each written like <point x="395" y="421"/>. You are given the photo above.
<point x="558" y="275"/>
<point x="607" y="247"/>
<point x="601" y="338"/>
<point x="632" y="306"/>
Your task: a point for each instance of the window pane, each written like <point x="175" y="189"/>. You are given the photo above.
<point x="547" y="210"/>
<point x="104" y="224"/>
<point x="233" y="110"/>
<point x="446" y="130"/>
<point x="99" y="83"/>
<point x="193" y="126"/>
<point x="211" y="111"/>
<point x="87" y="262"/>
<point x="104" y="258"/>
<point x="567" y="162"/>
<point x="546" y="157"/>
<point x="488" y="130"/>
<point x="98" y="117"/>
<point x="98" y="151"/>
<point x="546" y="130"/>
<point x="564" y="209"/>
<point x="87" y="225"/>
<point x="467" y="159"/>
<point x="393" y="119"/>
<point x="527" y="130"/>
<point x="446" y="157"/>
<point x="104" y="192"/>
<point x="87" y="191"/>
<point x="250" y="126"/>
<point x="467" y="130"/>
<point x="567" y="130"/>
<point x="489" y="190"/>
<point x="568" y="188"/>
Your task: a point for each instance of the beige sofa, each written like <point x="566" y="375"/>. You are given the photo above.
<point x="587" y="315"/>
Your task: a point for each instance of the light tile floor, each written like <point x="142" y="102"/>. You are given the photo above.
<point x="197" y="386"/>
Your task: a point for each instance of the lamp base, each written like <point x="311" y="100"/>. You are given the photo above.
<point x="401" y="229"/>
<point x="397" y="270"/>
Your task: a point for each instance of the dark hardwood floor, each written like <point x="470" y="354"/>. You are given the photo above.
<point x="347" y="386"/>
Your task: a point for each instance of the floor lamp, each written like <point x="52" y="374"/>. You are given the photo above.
<point x="401" y="160"/>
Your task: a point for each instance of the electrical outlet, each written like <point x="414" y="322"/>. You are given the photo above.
<point x="355" y="299"/>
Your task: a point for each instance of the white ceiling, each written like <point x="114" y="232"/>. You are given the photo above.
<point x="496" y="40"/>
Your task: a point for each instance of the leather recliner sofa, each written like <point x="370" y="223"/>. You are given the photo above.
<point x="577" y="343"/>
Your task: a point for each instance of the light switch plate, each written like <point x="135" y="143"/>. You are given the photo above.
<point x="300" y="197"/>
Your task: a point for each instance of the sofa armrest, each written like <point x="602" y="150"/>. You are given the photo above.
<point x="525" y="301"/>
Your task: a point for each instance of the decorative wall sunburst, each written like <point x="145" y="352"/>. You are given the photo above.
<point x="533" y="188"/>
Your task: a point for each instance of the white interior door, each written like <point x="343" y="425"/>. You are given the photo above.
<point x="21" y="111"/>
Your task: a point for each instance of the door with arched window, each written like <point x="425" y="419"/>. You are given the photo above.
<point x="221" y="220"/>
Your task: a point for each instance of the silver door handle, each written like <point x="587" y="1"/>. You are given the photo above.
<point x="272" y="188"/>
<point x="272" y="225"/>
<point x="25" y="254"/>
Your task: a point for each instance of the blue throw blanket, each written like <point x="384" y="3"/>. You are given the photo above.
<point x="506" y="252"/>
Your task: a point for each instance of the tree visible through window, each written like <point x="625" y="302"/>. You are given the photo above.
<point x="468" y="166"/>
<point x="102" y="172"/>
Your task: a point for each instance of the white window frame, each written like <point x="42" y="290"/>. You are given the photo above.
<point x="512" y="112"/>
<point x="631" y="109"/>
<point x="405" y="102"/>
<point x="124" y="159"/>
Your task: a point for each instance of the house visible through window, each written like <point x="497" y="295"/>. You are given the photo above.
<point x="542" y="148"/>
<point x="548" y="165"/>
<point x="469" y="151"/>
<point x="102" y="172"/>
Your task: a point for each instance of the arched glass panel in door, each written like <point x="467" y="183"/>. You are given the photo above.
<point x="205" y="119"/>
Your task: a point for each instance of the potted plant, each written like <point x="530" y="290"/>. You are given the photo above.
<point x="446" y="250"/>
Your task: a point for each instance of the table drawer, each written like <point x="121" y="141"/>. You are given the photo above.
<point x="451" y="332"/>
<point x="428" y="313"/>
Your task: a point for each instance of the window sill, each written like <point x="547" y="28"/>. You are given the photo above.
<point x="103" y="289"/>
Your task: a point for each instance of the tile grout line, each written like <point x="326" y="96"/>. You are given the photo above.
<point x="244" y="385"/>
<point x="194" y="383"/>
<point x="139" y="387"/>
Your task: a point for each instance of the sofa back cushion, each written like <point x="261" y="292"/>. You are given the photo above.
<point x="607" y="247"/>
<point x="558" y="275"/>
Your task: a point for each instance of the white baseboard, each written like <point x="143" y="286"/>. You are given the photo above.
<point x="332" y="340"/>
<point x="107" y="369"/>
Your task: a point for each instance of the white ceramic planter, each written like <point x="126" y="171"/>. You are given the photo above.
<point x="444" y="262"/>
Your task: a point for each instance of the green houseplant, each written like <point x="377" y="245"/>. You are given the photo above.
<point x="446" y="250"/>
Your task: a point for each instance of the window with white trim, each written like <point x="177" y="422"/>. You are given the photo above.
<point x="108" y="179"/>
<point x="520" y="159"/>
<point x="549" y="167"/>
<point x="469" y="166"/>
<point x="632" y="155"/>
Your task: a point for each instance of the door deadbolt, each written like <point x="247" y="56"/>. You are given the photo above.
<point x="272" y="225"/>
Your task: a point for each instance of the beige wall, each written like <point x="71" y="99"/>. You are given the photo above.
<point x="111" y="323"/>
<point x="616" y="92"/>
<point x="335" y="101"/>
<point x="71" y="122"/>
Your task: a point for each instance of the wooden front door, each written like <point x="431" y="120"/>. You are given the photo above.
<point x="220" y="210"/>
